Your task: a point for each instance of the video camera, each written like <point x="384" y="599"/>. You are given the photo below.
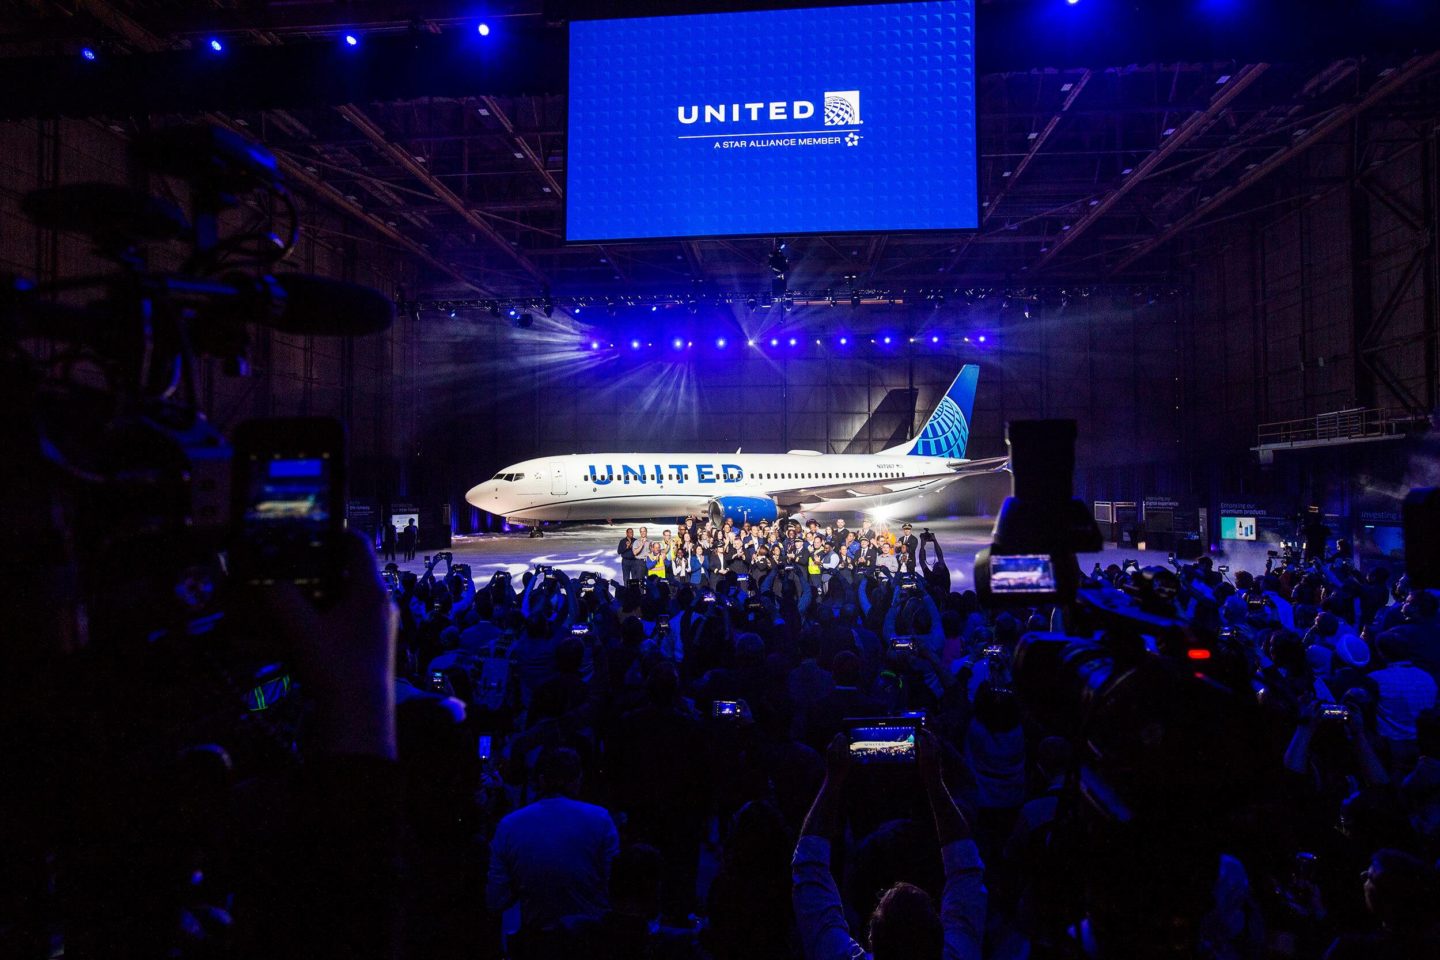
<point x="115" y="460"/>
<point x="1041" y="526"/>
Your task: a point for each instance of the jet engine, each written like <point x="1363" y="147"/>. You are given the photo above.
<point x="743" y="510"/>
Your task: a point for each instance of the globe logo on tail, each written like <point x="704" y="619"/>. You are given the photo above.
<point x="946" y="434"/>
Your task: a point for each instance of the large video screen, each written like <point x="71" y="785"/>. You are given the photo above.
<point x="770" y="123"/>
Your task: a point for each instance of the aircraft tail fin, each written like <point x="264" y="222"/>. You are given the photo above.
<point x="947" y="432"/>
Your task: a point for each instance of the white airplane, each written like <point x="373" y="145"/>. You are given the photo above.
<point x="741" y="486"/>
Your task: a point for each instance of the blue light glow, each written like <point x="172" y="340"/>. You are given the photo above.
<point x="774" y="342"/>
<point x="351" y="40"/>
<point x="934" y="339"/>
<point x="844" y="340"/>
<point x="216" y="45"/>
<point x="792" y="341"/>
<point x="678" y="344"/>
<point x="720" y="343"/>
<point x="594" y="345"/>
<point x="887" y="339"/>
<point x="87" y="53"/>
<point x="634" y="344"/>
<point x="981" y="338"/>
<point x="484" y="29"/>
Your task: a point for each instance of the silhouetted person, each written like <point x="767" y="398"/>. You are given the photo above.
<point x="408" y="536"/>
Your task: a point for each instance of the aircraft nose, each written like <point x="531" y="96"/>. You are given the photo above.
<point x="481" y="494"/>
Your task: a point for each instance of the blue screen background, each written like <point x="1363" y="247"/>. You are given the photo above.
<point x="913" y="166"/>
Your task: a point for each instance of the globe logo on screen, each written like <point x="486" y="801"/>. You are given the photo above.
<point x="842" y="108"/>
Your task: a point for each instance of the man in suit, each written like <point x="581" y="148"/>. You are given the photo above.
<point x="407" y="540"/>
<point x="626" y="552"/>
<point x="911" y="543"/>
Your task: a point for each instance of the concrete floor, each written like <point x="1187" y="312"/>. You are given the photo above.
<point x="592" y="547"/>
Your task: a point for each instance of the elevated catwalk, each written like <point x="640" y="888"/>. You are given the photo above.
<point x="592" y="547"/>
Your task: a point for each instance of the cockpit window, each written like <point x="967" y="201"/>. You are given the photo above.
<point x="508" y="477"/>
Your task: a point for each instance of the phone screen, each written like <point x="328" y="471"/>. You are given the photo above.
<point x="882" y="741"/>
<point x="288" y="516"/>
<point x="1022" y="573"/>
<point x="727" y="708"/>
<point x="484" y="750"/>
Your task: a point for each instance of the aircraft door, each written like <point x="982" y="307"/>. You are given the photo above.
<point x="557" y="478"/>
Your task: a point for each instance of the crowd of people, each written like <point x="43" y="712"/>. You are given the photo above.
<point x="564" y="765"/>
<point x="698" y="553"/>
<point x="667" y="772"/>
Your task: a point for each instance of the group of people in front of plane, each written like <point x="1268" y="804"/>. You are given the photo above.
<point x="698" y="552"/>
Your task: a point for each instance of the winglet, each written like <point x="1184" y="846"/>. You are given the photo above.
<point x="947" y="432"/>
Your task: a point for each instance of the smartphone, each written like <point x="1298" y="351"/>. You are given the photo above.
<point x="1223" y="568"/>
<point x="993" y="651"/>
<point x="484" y="748"/>
<point x="902" y="643"/>
<point x="1333" y="711"/>
<point x="439" y="683"/>
<point x="743" y="579"/>
<point x="288" y="503"/>
<point x="727" y="708"/>
<point x="883" y="740"/>
<point x="580" y="631"/>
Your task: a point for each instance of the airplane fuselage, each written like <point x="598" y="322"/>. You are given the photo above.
<point x="644" y="486"/>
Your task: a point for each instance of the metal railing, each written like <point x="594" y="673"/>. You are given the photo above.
<point x="1341" y="426"/>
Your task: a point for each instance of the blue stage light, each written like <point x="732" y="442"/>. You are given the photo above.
<point x="514" y="312"/>
<point x="351" y="40"/>
<point x="634" y="344"/>
<point x="844" y="340"/>
<point x="750" y="343"/>
<point x="1072" y="2"/>
<point x="981" y="338"/>
<point x="678" y="343"/>
<point x="216" y="45"/>
<point x="774" y="342"/>
<point x="934" y="339"/>
<point x="792" y="341"/>
<point x="887" y="339"/>
<point x="484" y="29"/>
<point x="87" y="52"/>
<point x="720" y="343"/>
<point x="594" y="345"/>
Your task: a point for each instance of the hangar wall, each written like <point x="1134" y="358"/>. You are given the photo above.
<point x="1320" y="294"/>
<point x="1110" y="361"/>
